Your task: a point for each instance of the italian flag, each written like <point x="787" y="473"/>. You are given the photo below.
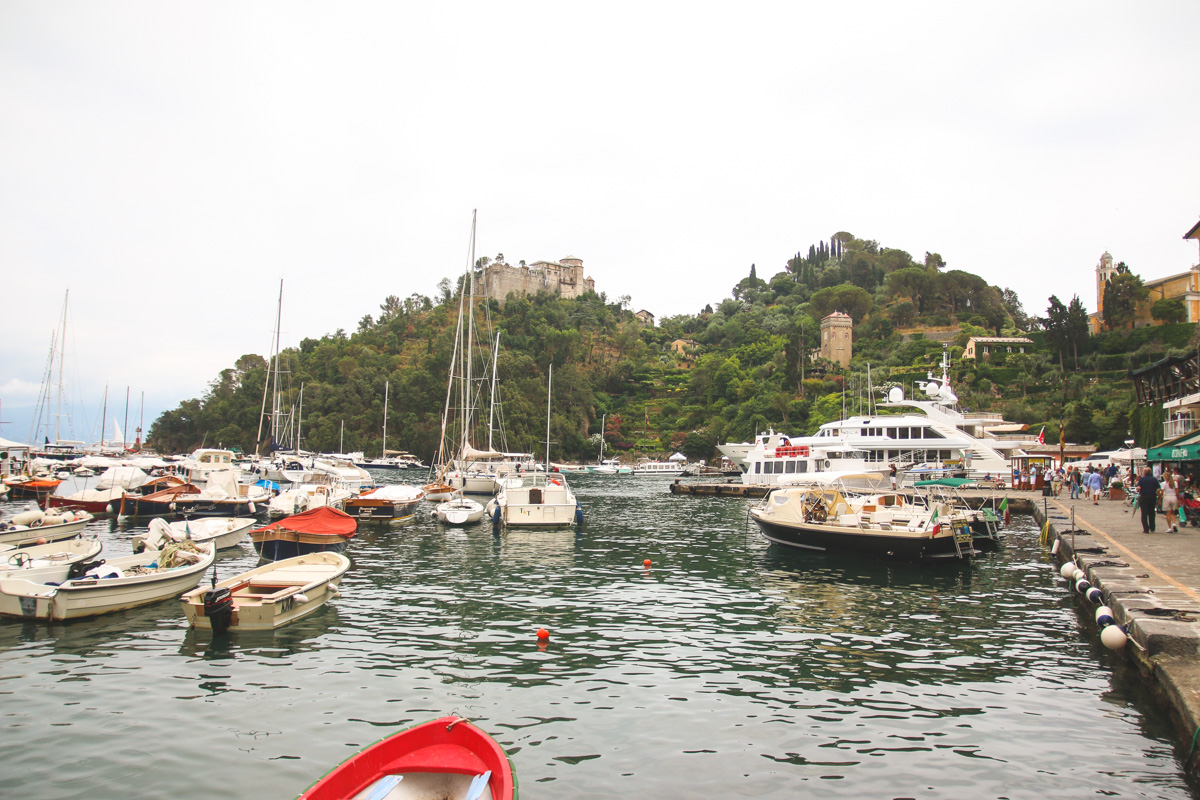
<point x="937" y="526"/>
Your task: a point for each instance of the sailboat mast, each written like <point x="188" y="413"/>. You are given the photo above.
<point x="275" y="385"/>
<point x="602" y="418"/>
<point x="549" y="390"/>
<point x="300" y="418"/>
<point x="492" y="402"/>
<point x="141" y="419"/>
<point x="385" y="404"/>
<point x="126" y="426"/>
<point x="467" y="390"/>
<point x="103" y="417"/>
<point x="62" y="349"/>
<point x="267" y="378"/>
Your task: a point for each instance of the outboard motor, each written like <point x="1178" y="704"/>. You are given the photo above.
<point x="80" y="568"/>
<point x="218" y="607"/>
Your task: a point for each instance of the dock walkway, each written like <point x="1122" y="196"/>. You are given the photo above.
<point x="1152" y="583"/>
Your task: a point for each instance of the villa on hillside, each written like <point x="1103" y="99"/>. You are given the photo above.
<point x="980" y="347"/>
<point x="645" y="317"/>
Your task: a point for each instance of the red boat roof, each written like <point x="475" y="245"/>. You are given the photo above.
<point x="323" y="520"/>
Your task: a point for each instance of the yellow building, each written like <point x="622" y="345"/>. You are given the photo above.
<point x="980" y="347"/>
<point x="1184" y="286"/>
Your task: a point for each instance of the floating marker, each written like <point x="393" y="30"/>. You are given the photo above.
<point x="543" y="633"/>
<point x="1067" y="570"/>
<point x="1054" y="547"/>
<point x="646" y="563"/>
<point x="1095" y="595"/>
<point x="1082" y="585"/>
<point x="1104" y="616"/>
<point x="1113" y="637"/>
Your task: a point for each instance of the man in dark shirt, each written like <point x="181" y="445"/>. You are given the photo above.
<point x="1147" y="489"/>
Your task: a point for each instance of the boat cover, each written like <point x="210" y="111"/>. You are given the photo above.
<point x="394" y="493"/>
<point x="324" y="520"/>
<point x="122" y="478"/>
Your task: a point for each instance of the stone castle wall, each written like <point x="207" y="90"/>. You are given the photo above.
<point x="564" y="278"/>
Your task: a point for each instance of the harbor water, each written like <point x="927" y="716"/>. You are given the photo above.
<point x="728" y="668"/>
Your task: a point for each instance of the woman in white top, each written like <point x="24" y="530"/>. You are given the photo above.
<point x="1170" y="498"/>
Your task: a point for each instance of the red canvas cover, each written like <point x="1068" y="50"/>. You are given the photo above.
<point x="324" y="521"/>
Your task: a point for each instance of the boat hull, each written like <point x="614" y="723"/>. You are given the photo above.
<point x="48" y="533"/>
<point x="279" y="545"/>
<point x="439" y="758"/>
<point x="271" y="596"/>
<point x="825" y="538"/>
<point x="92" y="597"/>
<point x="381" y="511"/>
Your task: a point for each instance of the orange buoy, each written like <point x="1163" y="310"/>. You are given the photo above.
<point x="543" y="633"/>
<point x="646" y="563"/>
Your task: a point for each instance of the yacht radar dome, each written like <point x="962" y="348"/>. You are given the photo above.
<point x="896" y="395"/>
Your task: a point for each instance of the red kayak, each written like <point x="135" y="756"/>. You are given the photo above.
<point x="446" y="758"/>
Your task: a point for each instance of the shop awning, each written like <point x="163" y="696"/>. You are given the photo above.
<point x="1184" y="448"/>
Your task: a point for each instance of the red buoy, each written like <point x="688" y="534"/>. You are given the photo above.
<point x="646" y="563"/>
<point x="543" y="633"/>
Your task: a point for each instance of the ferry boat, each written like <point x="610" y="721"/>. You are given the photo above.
<point x="666" y="468"/>
<point x="933" y="431"/>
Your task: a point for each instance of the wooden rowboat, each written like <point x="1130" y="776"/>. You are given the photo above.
<point x="445" y="758"/>
<point x="48" y="563"/>
<point x="269" y="596"/>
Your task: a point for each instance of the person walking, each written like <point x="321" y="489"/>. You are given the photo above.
<point x="892" y="472"/>
<point x="1095" y="486"/>
<point x="1170" y="499"/>
<point x="1147" y="489"/>
<point x="1073" y="482"/>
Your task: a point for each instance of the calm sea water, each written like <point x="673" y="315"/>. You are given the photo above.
<point x="729" y="668"/>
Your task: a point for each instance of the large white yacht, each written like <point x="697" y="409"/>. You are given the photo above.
<point x="934" y="432"/>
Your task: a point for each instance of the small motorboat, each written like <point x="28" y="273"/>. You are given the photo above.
<point x="49" y="563"/>
<point x="445" y="758"/>
<point x="269" y="596"/>
<point x="387" y="504"/>
<point x="459" y="511"/>
<point x="223" y="531"/>
<point x="113" y="585"/>
<point x="320" y="529"/>
<point x="34" y="526"/>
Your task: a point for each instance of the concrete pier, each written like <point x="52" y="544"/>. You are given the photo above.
<point x="1152" y="584"/>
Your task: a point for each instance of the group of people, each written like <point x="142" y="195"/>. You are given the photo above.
<point x="1160" y="489"/>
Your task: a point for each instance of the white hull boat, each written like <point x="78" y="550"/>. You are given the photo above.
<point x="117" y="584"/>
<point x="459" y="511"/>
<point x="267" y="597"/>
<point x="47" y="563"/>
<point x="33" y="525"/>
<point x="535" y="501"/>
<point x="222" y="531"/>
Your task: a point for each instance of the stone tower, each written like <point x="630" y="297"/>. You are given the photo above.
<point x="836" y="338"/>
<point x="1104" y="271"/>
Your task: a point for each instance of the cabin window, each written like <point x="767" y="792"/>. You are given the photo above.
<point x="791" y="466"/>
<point x="892" y="433"/>
<point x="931" y="433"/>
<point x="757" y="467"/>
<point x="903" y="433"/>
<point x="803" y="466"/>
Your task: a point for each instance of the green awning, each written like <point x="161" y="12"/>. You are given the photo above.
<point x="954" y="482"/>
<point x="1184" y="448"/>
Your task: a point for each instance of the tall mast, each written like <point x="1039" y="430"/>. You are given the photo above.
<point x="267" y="378"/>
<point x="275" y="384"/>
<point x="126" y="426"/>
<point x="549" y="390"/>
<point x="602" y="418"/>
<point x="103" y="418"/>
<point x="492" y="402"/>
<point x="467" y="389"/>
<point x="141" y="416"/>
<point x="385" y="401"/>
<point x="62" y="348"/>
<point x="300" y="418"/>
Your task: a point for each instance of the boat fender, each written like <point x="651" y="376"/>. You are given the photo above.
<point x="299" y="597"/>
<point x="218" y="607"/>
<point x="578" y="513"/>
<point x="108" y="509"/>
<point x="496" y="518"/>
<point x="28" y="518"/>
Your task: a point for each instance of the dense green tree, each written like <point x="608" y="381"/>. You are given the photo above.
<point x="1169" y="310"/>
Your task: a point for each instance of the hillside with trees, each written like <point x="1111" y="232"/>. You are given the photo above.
<point x="733" y="370"/>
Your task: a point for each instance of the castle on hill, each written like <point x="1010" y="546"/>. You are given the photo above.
<point x="564" y="278"/>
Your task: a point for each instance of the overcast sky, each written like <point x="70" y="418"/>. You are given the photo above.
<point x="169" y="163"/>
